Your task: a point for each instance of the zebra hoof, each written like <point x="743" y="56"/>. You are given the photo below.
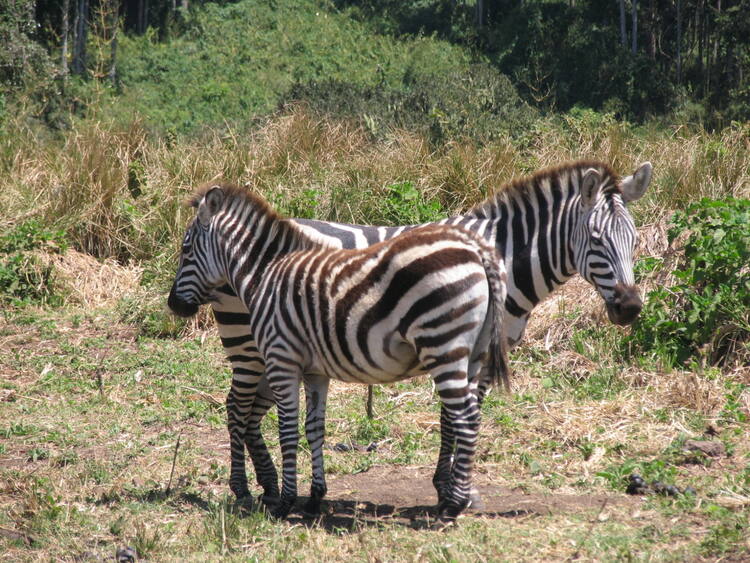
<point x="449" y="510"/>
<point x="282" y="509"/>
<point x="245" y="502"/>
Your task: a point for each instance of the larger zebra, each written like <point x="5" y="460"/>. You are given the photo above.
<point x="547" y="226"/>
<point x="428" y="301"/>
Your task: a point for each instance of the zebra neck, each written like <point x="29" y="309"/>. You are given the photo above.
<point x="537" y="227"/>
<point x="251" y="243"/>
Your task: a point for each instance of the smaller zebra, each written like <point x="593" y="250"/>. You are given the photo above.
<point x="428" y="301"/>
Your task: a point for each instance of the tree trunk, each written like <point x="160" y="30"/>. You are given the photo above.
<point x="623" y="34"/>
<point x="652" y="31"/>
<point x="634" y="30"/>
<point x="113" y="46"/>
<point x="79" y="43"/>
<point x="679" y="41"/>
<point x="65" y="31"/>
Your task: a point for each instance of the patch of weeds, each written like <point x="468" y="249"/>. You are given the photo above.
<point x="224" y="525"/>
<point x="728" y="536"/>
<point x="410" y="444"/>
<point x="534" y="467"/>
<point x="586" y="447"/>
<point x="604" y="383"/>
<point x="38" y="454"/>
<point x="150" y="316"/>
<point x="617" y="475"/>
<point x="704" y="313"/>
<point x="734" y="408"/>
<point x="406" y="205"/>
<point x="146" y="540"/>
<point x="69" y="457"/>
<point x="303" y="204"/>
<point x="117" y="526"/>
<point x="17" y="429"/>
<point x="369" y="430"/>
<point x="24" y="278"/>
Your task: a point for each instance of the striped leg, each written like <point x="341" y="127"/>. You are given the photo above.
<point x="284" y="381"/>
<point x="464" y="418"/>
<point x="445" y="458"/>
<point x="478" y="382"/>
<point x="265" y="470"/>
<point x="316" y="393"/>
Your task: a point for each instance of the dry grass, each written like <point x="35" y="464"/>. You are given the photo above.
<point x="118" y="192"/>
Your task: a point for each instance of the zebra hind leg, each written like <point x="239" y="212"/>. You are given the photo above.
<point x="442" y="474"/>
<point x="465" y="422"/>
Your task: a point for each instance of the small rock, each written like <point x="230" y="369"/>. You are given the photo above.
<point x="342" y="447"/>
<point x="671" y="491"/>
<point x="126" y="555"/>
<point x="712" y="448"/>
<point x="689" y="491"/>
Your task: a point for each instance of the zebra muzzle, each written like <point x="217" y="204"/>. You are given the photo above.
<point x="625" y="306"/>
<point x="180" y="307"/>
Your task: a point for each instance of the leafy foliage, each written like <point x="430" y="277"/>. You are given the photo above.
<point x="477" y="102"/>
<point x="707" y="310"/>
<point x="23" y="277"/>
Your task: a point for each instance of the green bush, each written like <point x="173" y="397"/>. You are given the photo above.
<point x="706" y="312"/>
<point x="24" y="278"/>
<point x="477" y="103"/>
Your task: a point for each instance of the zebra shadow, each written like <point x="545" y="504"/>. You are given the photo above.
<point x="340" y="515"/>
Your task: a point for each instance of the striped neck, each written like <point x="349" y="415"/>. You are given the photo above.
<point x="537" y="217"/>
<point x="249" y="236"/>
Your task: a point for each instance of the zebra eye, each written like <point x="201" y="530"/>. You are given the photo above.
<point x="596" y="238"/>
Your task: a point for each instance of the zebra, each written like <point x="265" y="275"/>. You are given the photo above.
<point x="428" y="301"/>
<point x="548" y="226"/>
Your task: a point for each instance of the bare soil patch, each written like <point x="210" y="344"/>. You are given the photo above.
<point x="405" y="495"/>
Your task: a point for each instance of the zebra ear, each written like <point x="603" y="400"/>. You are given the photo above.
<point x="590" y="187"/>
<point x="633" y="187"/>
<point x="210" y="205"/>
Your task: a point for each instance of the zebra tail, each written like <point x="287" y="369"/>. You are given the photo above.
<point x="499" y="368"/>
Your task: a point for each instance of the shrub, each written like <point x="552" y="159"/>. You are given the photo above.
<point x="477" y="103"/>
<point x="707" y="310"/>
<point x="24" y="278"/>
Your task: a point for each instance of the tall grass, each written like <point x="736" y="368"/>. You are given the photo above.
<point x="118" y="192"/>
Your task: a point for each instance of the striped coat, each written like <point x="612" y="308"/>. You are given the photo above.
<point x="428" y="301"/>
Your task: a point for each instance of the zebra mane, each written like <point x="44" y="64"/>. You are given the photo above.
<point x="233" y="191"/>
<point x="261" y="207"/>
<point x="541" y="180"/>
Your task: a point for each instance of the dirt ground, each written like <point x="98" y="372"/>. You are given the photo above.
<point x="404" y="495"/>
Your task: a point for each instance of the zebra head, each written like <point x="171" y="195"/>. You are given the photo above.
<point x="199" y="271"/>
<point x="605" y="237"/>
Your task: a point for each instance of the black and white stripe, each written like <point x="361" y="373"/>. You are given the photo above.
<point x="428" y="301"/>
<point x="548" y="227"/>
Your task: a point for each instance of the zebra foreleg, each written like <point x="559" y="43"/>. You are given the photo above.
<point x="316" y="393"/>
<point x="239" y="403"/>
<point x="265" y="470"/>
<point x="285" y="385"/>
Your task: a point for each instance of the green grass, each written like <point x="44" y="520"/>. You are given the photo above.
<point x="86" y="466"/>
